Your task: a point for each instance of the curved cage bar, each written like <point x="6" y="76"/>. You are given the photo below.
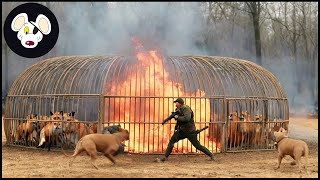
<point x="239" y="100"/>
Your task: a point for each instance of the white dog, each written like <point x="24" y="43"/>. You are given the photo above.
<point x="30" y="33"/>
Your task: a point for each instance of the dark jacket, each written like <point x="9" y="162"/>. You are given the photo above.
<point x="185" y="120"/>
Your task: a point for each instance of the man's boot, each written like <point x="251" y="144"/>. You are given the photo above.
<point x="164" y="159"/>
<point x="213" y="158"/>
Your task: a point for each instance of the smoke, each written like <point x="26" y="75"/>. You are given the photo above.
<point x="296" y="82"/>
<point x="107" y="28"/>
<point x="100" y="28"/>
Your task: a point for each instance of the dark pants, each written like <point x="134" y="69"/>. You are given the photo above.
<point x="192" y="137"/>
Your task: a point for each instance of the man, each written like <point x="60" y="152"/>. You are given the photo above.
<point x="111" y="130"/>
<point x="185" y="128"/>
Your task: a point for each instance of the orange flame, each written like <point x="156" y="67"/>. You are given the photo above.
<point x="145" y="114"/>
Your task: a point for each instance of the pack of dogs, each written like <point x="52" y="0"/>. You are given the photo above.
<point x="111" y="141"/>
<point x="242" y="132"/>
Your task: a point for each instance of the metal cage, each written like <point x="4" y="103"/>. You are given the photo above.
<point x="239" y="100"/>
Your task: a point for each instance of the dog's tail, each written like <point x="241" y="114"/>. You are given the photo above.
<point x="64" y="153"/>
<point x="75" y="150"/>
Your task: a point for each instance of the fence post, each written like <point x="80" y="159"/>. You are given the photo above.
<point x="101" y="113"/>
<point x="226" y="122"/>
<point x="266" y="120"/>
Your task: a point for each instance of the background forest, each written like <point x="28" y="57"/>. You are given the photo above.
<point x="281" y="36"/>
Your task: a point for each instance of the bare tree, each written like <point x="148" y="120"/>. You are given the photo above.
<point x="255" y="10"/>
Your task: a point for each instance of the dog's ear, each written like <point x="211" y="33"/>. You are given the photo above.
<point x="18" y="21"/>
<point x="61" y="112"/>
<point x="51" y="113"/>
<point x="72" y="113"/>
<point x="35" y="115"/>
<point x="44" y="24"/>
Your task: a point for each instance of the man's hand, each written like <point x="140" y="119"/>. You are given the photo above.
<point x="176" y="117"/>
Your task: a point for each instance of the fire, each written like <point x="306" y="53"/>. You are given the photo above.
<point x="148" y="77"/>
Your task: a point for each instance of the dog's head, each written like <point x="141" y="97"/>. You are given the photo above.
<point x="30" y="33"/>
<point x="233" y="116"/>
<point x="244" y="116"/>
<point x="125" y="132"/>
<point x="278" y="135"/>
<point x="258" y="117"/>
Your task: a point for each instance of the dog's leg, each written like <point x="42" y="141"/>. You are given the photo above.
<point x="299" y="164"/>
<point x="74" y="157"/>
<point x="280" y="156"/>
<point x="109" y="156"/>
<point x="293" y="162"/>
<point x="93" y="160"/>
<point x="306" y="154"/>
<point x="297" y="156"/>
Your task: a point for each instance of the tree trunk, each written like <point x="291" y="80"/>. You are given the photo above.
<point x="257" y="38"/>
<point x="295" y="55"/>
<point x="255" y="8"/>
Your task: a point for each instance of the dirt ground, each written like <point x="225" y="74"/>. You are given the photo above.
<point x="22" y="162"/>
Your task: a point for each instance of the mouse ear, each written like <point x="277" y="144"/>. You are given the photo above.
<point x="44" y="24"/>
<point x="19" y="21"/>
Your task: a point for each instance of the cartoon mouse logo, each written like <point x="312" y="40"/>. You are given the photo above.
<point x="30" y="33"/>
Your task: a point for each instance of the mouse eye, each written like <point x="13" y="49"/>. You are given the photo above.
<point x="35" y="30"/>
<point x="26" y="30"/>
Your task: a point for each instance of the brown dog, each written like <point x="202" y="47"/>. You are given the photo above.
<point x="235" y="136"/>
<point x="292" y="147"/>
<point x="108" y="144"/>
<point x="252" y="131"/>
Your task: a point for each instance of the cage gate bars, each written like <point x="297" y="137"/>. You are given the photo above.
<point x="239" y="100"/>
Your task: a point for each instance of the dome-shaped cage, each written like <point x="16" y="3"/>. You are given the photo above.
<point x="239" y="100"/>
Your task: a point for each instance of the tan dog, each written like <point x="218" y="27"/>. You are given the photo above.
<point x="292" y="147"/>
<point x="252" y="131"/>
<point x="108" y="144"/>
<point x="235" y="136"/>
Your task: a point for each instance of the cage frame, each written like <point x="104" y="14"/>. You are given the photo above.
<point x="198" y="63"/>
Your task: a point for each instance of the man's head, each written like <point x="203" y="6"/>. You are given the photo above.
<point x="179" y="102"/>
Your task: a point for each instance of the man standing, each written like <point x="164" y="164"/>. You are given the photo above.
<point x="185" y="128"/>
